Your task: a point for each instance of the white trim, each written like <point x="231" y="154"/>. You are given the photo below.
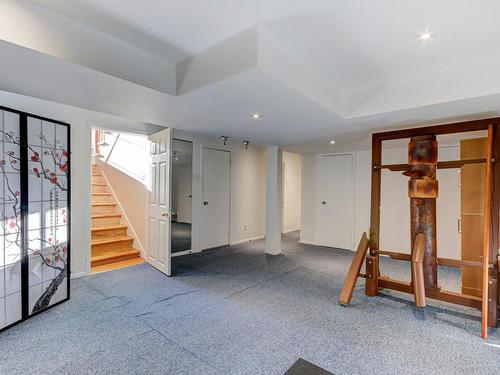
<point x="290" y="230"/>
<point x="137" y="242"/>
<point x="306" y="242"/>
<point x="246" y="240"/>
<point x="186" y="252"/>
<point x="79" y="274"/>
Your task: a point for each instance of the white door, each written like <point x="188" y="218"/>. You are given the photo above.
<point x="335" y="201"/>
<point x="158" y="246"/>
<point x="215" y="205"/>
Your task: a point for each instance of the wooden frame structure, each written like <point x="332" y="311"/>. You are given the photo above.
<point x="423" y="256"/>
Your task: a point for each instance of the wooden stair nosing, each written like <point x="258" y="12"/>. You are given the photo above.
<point x="104" y="216"/>
<point x="103" y="204"/>
<point x="109" y="227"/>
<point x="117" y="265"/>
<point x="102" y="194"/>
<point x="111" y="240"/>
<point x="116" y="253"/>
<point x="114" y="256"/>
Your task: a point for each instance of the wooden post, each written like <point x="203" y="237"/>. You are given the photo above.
<point x="417" y="270"/>
<point x="372" y="275"/>
<point x="495" y="234"/>
<point x="371" y="285"/>
<point x="487" y="235"/>
<point x="423" y="191"/>
<point x="352" y="275"/>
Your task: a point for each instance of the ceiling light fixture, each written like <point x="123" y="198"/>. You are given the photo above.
<point x="256" y="116"/>
<point x="224" y="139"/>
<point x="425" y="35"/>
<point x="246" y="143"/>
<point x="332" y="142"/>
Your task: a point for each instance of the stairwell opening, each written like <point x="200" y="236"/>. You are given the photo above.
<point x="119" y="196"/>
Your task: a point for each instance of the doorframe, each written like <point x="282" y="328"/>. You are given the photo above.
<point x="182" y="138"/>
<point x="142" y="246"/>
<point x="198" y="143"/>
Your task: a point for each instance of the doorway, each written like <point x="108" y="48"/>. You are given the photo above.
<point x="216" y="192"/>
<point x="182" y="183"/>
<point x="335" y="204"/>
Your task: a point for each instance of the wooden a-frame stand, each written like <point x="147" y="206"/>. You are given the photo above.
<point x="423" y="191"/>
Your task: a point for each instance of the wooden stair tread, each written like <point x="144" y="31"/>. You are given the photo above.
<point x="108" y="227"/>
<point x="103" y="204"/>
<point x="115" y="253"/>
<point x="117" y="265"/>
<point x="103" y="216"/>
<point x="98" y="184"/>
<point x="102" y="194"/>
<point x="111" y="239"/>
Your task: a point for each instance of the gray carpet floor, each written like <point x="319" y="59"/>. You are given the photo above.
<point x="237" y="310"/>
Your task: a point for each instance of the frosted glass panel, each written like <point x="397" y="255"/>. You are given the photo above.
<point x="10" y="228"/>
<point x="48" y="214"/>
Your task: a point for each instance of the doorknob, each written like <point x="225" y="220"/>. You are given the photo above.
<point x="323" y="202"/>
<point x="205" y="203"/>
<point x="164" y="213"/>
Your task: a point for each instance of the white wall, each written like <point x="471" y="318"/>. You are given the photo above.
<point x="292" y="181"/>
<point x="248" y="188"/>
<point x="395" y="205"/>
<point x="132" y="197"/>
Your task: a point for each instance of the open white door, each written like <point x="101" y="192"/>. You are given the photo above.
<point x="158" y="247"/>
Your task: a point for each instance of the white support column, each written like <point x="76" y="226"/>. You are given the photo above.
<point x="274" y="210"/>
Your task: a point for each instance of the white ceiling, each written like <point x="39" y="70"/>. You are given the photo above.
<point x="315" y="69"/>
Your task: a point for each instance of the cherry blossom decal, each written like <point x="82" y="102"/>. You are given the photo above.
<point x="48" y="162"/>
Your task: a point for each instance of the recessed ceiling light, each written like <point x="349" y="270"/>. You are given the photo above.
<point x="332" y="142"/>
<point x="256" y="116"/>
<point x="425" y="35"/>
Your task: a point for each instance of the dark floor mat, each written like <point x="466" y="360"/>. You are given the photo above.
<point x="302" y="367"/>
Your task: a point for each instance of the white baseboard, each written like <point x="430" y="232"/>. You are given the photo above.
<point x="291" y="230"/>
<point x="77" y="275"/>
<point x="246" y="240"/>
<point x="306" y="242"/>
<point x="186" y="252"/>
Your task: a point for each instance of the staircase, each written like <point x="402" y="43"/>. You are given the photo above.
<point x="111" y="247"/>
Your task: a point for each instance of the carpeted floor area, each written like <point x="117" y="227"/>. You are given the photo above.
<point x="238" y="311"/>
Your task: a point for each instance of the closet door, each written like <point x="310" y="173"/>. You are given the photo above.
<point x="216" y="193"/>
<point x="335" y="205"/>
<point x="11" y="228"/>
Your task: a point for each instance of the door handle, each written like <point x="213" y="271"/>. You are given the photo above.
<point x="459" y="225"/>
<point x="164" y="213"/>
<point x="205" y="203"/>
<point x="323" y="202"/>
